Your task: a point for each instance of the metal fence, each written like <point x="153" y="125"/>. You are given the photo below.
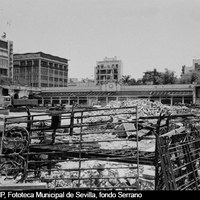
<point x="102" y="149"/>
<point x="95" y="149"/>
<point x="179" y="155"/>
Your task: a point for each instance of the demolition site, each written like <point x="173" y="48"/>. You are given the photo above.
<point x="131" y="145"/>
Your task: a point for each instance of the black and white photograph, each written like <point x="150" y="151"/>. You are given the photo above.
<point x="99" y="98"/>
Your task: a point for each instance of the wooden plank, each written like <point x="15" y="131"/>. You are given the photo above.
<point x="174" y="132"/>
<point x="129" y="128"/>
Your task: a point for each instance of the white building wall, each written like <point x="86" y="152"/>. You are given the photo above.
<point x="106" y="65"/>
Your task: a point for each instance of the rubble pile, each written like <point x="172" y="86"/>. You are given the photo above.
<point x="98" y="174"/>
<point x="148" y="108"/>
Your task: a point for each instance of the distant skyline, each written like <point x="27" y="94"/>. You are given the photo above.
<point x="144" y="34"/>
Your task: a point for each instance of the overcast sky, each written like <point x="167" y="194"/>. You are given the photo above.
<point x="144" y="34"/>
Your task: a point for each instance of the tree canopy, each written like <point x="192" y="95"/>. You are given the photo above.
<point x="127" y="80"/>
<point x="155" y="78"/>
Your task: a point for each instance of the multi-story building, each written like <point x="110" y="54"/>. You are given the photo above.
<point x="40" y="70"/>
<point x="108" y="70"/>
<point x="6" y="59"/>
<point x="196" y="65"/>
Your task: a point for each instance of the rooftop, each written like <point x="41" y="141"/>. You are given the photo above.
<point x="43" y="55"/>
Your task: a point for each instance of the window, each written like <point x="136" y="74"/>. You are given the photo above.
<point x="44" y="78"/>
<point x="44" y="71"/>
<point x="3" y="53"/>
<point x="22" y="63"/>
<point x="29" y="62"/>
<point x="3" y="63"/>
<point x="44" y="85"/>
<point x="4" y="72"/>
<point x="44" y="63"/>
<point x="60" y="67"/>
<point x="50" y="71"/>
<point x="61" y="73"/>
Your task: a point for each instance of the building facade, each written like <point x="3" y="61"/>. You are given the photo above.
<point x="40" y="70"/>
<point x="108" y="70"/>
<point x="196" y="65"/>
<point x="6" y="59"/>
<point x="89" y="95"/>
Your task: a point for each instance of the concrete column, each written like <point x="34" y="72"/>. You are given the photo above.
<point x="63" y="77"/>
<point x="106" y="100"/>
<point x="39" y="74"/>
<point x="194" y="95"/>
<point x="43" y="101"/>
<point x="183" y="99"/>
<point x="48" y="74"/>
<point x="32" y="63"/>
<point x="87" y="101"/>
<point x="78" y="100"/>
<point x="171" y="101"/>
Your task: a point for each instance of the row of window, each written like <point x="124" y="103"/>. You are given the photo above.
<point x="3" y="63"/>
<point x="51" y="78"/>
<point x="3" y="53"/>
<point x="46" y="71"/>
<point x="53" y="65"/>
<point x="43" y="64"/>
<point x="109" y="71"/>
<point x="107" y="66"/>
<point x="4" y="72"/>
<point x="26" y="69"/>
<point x="51" y="85"/>
<point x="102" y="78"/>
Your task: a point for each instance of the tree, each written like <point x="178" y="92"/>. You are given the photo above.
<point x="152" y="77"/>
<point x="190" y="78"/>
<point x="195" y="77"/>
<point x="139" y="82"/>
<point x="168" y="77"/>
<point x="127" y="80"/>
<point x="132" y="81"/>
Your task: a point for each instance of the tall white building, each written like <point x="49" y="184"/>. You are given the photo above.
<point x="6" y="59"/>
<point x="108" y="70"/>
